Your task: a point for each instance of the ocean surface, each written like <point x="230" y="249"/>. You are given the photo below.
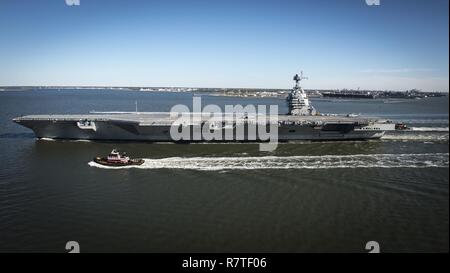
<point x="303" y="197"/>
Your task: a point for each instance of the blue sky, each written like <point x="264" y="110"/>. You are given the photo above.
<point x="400" y="44"/>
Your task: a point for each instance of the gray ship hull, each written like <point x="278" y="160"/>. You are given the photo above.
<point x="155" y="127"/>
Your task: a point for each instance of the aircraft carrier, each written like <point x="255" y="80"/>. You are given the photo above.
<point x="302" y="122"/>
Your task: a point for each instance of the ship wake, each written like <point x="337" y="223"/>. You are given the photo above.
<point x="428" y="160"/>
<point x="418" y="135"/>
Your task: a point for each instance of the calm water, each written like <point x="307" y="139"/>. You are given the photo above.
<point x="319" y="197"/>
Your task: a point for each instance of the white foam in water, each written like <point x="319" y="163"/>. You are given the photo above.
<point x="411" y="121"/>
<point x="440" y="160"/>
<point x="46" y="139"/>
<point x="430" y="129"/>
<point x="418" y="135"/>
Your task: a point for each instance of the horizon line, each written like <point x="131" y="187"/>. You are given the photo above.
<point x="249" y="88"/>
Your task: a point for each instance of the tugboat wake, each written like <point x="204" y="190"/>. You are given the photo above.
<point x="427" y="160"/>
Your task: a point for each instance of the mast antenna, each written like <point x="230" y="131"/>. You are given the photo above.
<point x="298" y="78"/>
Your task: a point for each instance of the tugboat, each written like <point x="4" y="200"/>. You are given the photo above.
<point x="117" y="159"/>
<point x="401" y="126"/>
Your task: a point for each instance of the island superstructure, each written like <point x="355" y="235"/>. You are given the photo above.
<point x="302" y="122"/>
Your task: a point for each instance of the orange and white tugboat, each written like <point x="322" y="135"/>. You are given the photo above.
<point x="115" y="158"/>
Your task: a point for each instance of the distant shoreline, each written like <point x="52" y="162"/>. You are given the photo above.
<point x="247" y="92"/>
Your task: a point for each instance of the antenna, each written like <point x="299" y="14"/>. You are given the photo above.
<point x="298" y="78"/>
<point x="302" y="77"/>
